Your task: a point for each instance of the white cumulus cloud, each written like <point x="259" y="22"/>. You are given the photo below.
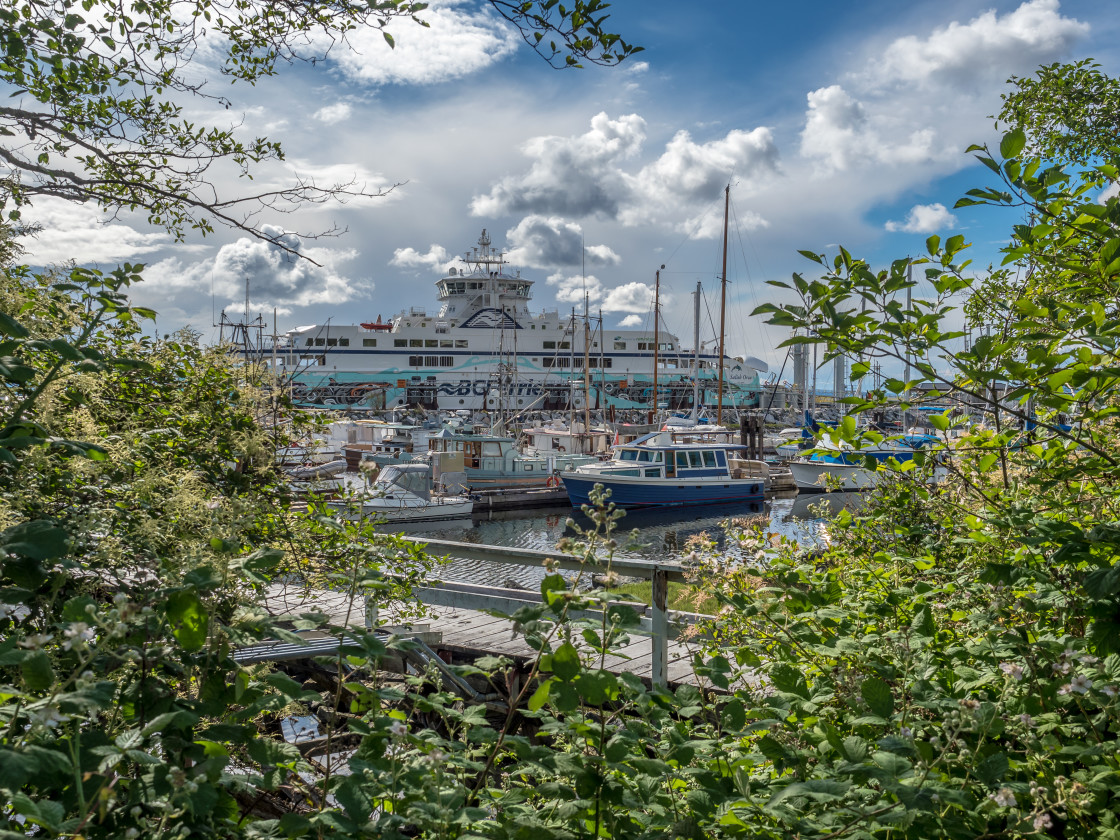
<point x="599" y="173"/>
<point x="276" y="278"/>
<point x="81" y="231"/>
<point x="331" y="114"/>
<point x="546" y="242"/>
<point x="925" y="218"/>
<point x="436" y="258"/>
<point x="923" y="100"/>
<point x="455" y="43"/>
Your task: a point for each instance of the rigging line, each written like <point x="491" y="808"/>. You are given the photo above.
<point x="764" y="330"/>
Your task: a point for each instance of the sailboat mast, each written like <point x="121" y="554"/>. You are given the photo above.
<point x="723" y="302"/>
<point x="696" y="353"/>
<point x="656" y="336"/>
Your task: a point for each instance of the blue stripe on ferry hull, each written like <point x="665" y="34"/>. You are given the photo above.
<point x="663" y="494"/>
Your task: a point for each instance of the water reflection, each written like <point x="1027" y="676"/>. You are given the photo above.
<point x="663" y="534"/>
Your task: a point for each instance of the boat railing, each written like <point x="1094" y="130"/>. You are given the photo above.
<point x="656" y="620"/>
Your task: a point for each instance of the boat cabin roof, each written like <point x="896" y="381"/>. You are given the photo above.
<point x="662" y="440"/>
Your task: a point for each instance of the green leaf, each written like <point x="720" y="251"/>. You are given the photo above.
<point x="565" y="662"/>
<point x="38" y="675"/>
<point x="540" y="696"/>
<point x="789" y="679"/>
<point x="1012" y="143"/>
<point x="877" y="695"/>
<point x="38" y="539"/>
<point x="188" y="619"/>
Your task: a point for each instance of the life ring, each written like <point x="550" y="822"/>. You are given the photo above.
<point x="553" y="481"/>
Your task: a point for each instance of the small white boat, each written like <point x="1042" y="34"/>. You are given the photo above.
<point x="833" y="468"/>
<point x="402" y="493"/>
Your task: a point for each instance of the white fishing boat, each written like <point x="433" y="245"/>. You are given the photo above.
<point x="402" y="493"/>
<point x="831" y="467"/>
<point x="485" y="349"/>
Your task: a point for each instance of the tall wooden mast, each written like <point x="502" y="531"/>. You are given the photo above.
<point x="723" y="302"/>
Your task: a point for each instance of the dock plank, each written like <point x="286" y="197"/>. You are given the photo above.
<point x="469" y="631"/>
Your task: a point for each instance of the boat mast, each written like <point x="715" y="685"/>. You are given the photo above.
<point x="696" y="353"/>
<point x="656" y="340"/>
<point x="584" y="447"/>
<point x="723" y="303"/>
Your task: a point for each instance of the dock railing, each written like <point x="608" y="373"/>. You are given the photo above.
<point x="658" y="624"/>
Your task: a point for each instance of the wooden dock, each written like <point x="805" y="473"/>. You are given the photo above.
<point x="458" y="626"/>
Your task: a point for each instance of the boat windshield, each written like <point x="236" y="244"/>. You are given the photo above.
<point x="413" y="478"/>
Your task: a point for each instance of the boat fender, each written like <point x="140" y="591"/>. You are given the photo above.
<point x="553" y="481"/>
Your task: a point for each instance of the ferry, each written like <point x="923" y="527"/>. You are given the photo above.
<point x="485" y="350"/>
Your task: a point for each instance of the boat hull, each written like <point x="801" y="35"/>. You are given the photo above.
<point x="633" y="492"/>
<point x="433" y="511"/>
<point x="820" y="476"/>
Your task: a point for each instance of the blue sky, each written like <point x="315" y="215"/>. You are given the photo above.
<point x="834" y="124"/>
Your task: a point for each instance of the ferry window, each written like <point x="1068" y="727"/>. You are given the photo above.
<point x="431" y="361"/>
<point x="344" y="342"/>
<point x="682" y="459"/>
<point x="322" y="360"/>
<point x="628" y="455"/>
<point x="416" y="361"/>
<point x="709" y="458"/>
<point x="318" y="342"/>
<point x="620" y="345"/>
<point x="431" y="342"/>
<point x="564" y="362"/>
<point x="332" y="342"/>
<point x="606" y="363"/>
<point x="546" y="363"/>
<point x="653" y="472"/>
<point x="643" y="456"/>
<point x="446" y="361"/>
<point x="369" y="342"/>
<point x="399" y="342"/>
<point x="565" y="345"/>
<point x="446" y="342"/>
<point x="460" y="342"/>
<point x="310" y="342"/>
<point x="550" y="345"/>
<point x="415" y="342"/>
<point x="695" y="458"/>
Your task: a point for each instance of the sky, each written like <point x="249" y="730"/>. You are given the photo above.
<point x="833" y="124"/>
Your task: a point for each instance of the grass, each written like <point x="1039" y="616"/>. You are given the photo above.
<point x="682" y="597"/>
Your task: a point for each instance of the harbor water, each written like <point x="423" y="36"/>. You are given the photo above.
<point x="661" y="534"/>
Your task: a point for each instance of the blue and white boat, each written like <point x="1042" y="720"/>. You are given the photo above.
<point x="655" y="471"/>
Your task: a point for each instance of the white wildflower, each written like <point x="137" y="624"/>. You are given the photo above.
<point x="906" y="732"/>
<point x="1012" y="670"/>
<point x="1004" y="798"/>
<point x="398" y="729"/>
<point x="1026" y="720"/>
<point x="1042" y="822"/>
<point x="77" y="635"/>
<point x="1080" y="684"/>
<point x="36" y="641"/>
<point x="1110" y="691"/>
<point x="436" y="756"/>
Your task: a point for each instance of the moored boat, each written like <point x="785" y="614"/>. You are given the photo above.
<point x="402" y="493"/>
<point x="654" y="471"/>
